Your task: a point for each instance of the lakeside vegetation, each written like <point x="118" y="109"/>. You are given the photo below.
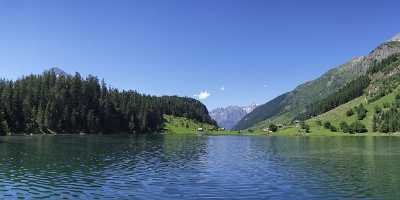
<point x="182" y="125"/>
<point x="336" y="117"/>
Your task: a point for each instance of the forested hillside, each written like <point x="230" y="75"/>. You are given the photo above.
<point x="379" y="84"/>
<point x="61" y="103"/>
<point x="370" y="103"/>
<point x="286" y="108"/>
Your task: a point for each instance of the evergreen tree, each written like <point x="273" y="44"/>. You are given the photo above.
<point x="344" y="127"/>
<point x="62" y="103"/>
<point x="361" y="112"/>
<point x="4" y="129"/>
<point x="358" y="127"/>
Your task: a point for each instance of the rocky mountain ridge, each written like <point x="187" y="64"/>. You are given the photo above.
<point x="287" y="107"/>
<point x="228" y="117"/>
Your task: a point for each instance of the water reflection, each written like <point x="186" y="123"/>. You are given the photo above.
<point x="199" y="167"/>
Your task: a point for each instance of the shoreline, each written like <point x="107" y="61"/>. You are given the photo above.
<point x="228" y="133"/>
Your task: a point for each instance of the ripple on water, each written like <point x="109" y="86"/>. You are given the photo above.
<point x="190" y="167"/>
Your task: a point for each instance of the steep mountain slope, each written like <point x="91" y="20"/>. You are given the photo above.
<point x="381" y="100"/>
<point x="229" y="116"/>
<point x="288" y="106"/>
<point x="370" y="103"/>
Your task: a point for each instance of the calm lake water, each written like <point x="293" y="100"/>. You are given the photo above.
<point x="199" y="167"/>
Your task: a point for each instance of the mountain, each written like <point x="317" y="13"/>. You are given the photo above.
<point x="367" y="104"/>
<point x="370" y="103"/>
<point x="229" y="116"/>
<point x="395" y="38"/>
<point x="288" y="106"/>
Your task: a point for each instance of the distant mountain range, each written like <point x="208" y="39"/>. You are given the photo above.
<point x="289" y="106"/>
<point x="229" y="116"/>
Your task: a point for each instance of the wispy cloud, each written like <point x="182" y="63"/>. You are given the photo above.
<point x="222" y="88"/>
<point x="202" y="95"/>
<point x="265" y="85"/>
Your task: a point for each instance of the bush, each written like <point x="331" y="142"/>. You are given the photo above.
<point x="386" y="105"/>
<point x="345" y="127"/>
<point x="305" y="126"/>
<point x="333" y="128"/>
<point x="378" y="109"/>
<point x="4" y="129"/>
<point x="384" y="128"/>
<point x="361" y="112"/>
<point x="327" y="125"/>
<point x="318" y="123"/>
<point x="375" y="122"/>
<point x="273" y="127"/>
<point x="349" y="112"/>
<point x="358" y="127"/>
<point x="302" y="124"/>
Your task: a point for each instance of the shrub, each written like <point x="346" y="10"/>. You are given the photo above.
<point x="4" y="129"/>
<point x="345" y="127"/>
<point x="384" y="128"/>
<point x="302" y="124"/>
<point x="358" y="127"/>
<point x="333" y="128"/>
<point x="327" y="125"/>
<point x="349" y="112"/>
<point x="386" y="105"/>
<point x="305" y="126"/>
<point x="361" y="112"/>
<point x="378" y="109"/>
<point x="273" y="127"/>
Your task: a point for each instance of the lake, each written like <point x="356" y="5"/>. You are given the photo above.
<point x="199" y="167"/>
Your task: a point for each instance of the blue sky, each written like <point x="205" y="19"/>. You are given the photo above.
<point x="255" y="49"/>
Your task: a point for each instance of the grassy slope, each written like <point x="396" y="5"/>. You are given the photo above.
<point x="177" y="125"/>
<point x="338" y="114"/>
<point x="318" y="89"/>
<point x="181" y="125"/>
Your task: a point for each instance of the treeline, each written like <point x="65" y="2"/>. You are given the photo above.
<point x="349" y="92"/>
<point x="61" y="103"/>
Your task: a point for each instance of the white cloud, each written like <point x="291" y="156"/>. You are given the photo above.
<point x="222" y="88"/>
<point x="265" y="85"/>
<point x="203" y="95"/>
